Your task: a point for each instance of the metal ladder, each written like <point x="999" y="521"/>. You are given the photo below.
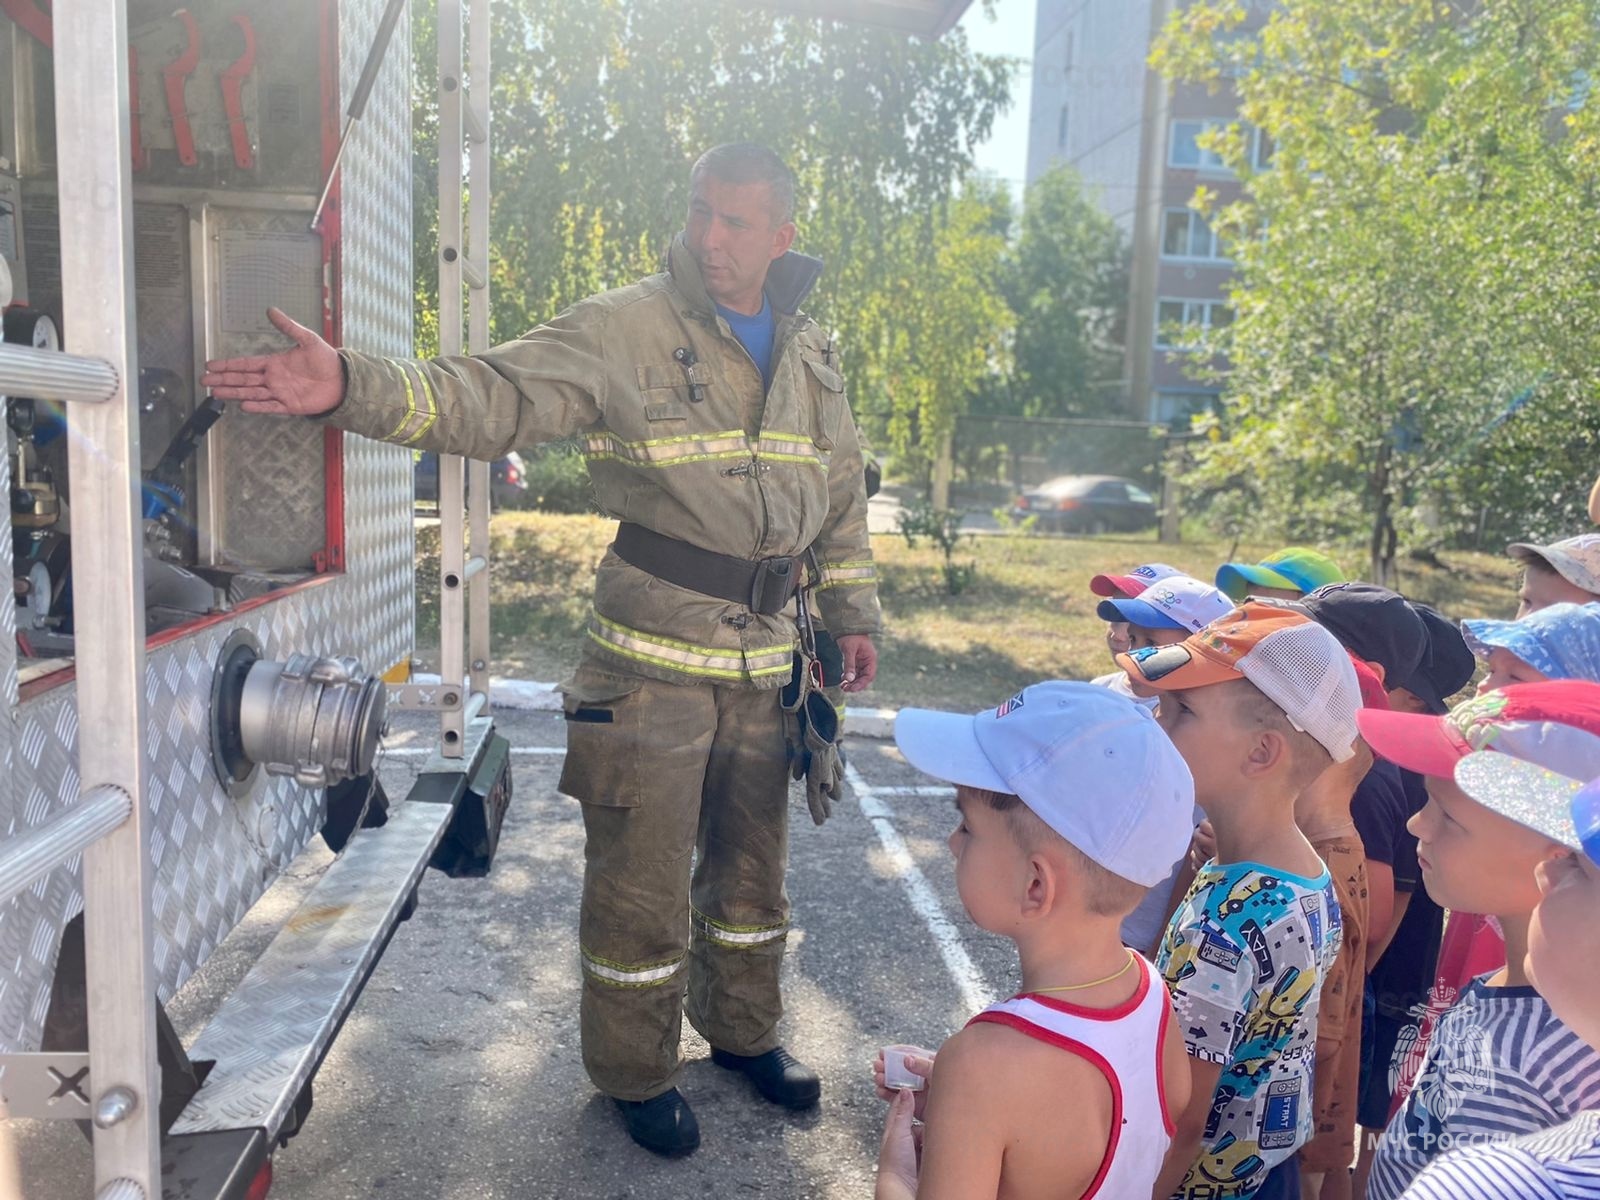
<point x="110" y="823"/>
<point x="463" y="260"/>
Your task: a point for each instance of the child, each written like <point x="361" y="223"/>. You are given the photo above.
<point x="1568" y="570"/>
<point x="1403" y="954"/>
<point x="1259" y="704"/>
<point x="1071" y="1086"/>
<point x="1126" y="587"/>
<point x="1323" y="813"/>
<point x="1563" y="963"/>
<point x="1286" y="575"/>
<point x="1558" y="642"/>
<point x="1498" y="1063"/>
<point x="1165" y="612"/>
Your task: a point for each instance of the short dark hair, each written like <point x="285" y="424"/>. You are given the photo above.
<point x="748" y="162"/>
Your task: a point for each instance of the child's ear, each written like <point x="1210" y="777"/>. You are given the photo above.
<point x="1268" y="748"/>
<point x="1042" y="891"/>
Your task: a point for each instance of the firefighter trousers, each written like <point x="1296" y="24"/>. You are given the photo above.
<point x="685" y="804"/>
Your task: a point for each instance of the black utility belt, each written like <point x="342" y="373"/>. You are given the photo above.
<point x="766" y="585"/>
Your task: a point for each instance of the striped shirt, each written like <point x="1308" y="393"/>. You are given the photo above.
<point x="1500" y="1065"/>
<point x="1559" y="1164"/>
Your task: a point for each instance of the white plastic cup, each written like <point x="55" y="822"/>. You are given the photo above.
<point x="895" y="1074"/>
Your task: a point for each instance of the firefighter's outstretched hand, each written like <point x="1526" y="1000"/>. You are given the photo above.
<point x="303" y="381"/>
<point x="860" y="661"/>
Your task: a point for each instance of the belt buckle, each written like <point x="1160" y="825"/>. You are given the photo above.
<point x="779" y="569"/>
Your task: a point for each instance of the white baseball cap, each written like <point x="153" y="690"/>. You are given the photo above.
<point x="1175" y="602"/>
<point x="1293" y="661"/>
<point x="1575" y="559"/>
<point x="1092" y="765"/>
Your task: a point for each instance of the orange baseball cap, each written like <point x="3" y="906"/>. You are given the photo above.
<point x="1292" y="660"/>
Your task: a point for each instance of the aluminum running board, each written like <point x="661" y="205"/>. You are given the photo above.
<point x="271" y="1034"/>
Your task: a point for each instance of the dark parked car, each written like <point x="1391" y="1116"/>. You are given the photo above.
<point x="1087" y="504"/>
<point x="508" y="480"/>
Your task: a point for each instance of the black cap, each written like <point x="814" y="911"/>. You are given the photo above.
<point x="1373" y="623"/>
<point x="1446" y="666"/>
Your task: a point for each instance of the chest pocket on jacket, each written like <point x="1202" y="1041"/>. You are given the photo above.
<point x="667" y="389"/>
<point x="826" y="420"/>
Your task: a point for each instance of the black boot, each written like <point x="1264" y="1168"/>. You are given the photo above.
<point x="663" y="1124"/>
<point x="777" y="1074"/>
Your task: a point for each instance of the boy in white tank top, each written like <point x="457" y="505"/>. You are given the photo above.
<point x="1073" y="803"/>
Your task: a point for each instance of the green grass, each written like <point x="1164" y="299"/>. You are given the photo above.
<point x="1028" y="615"/>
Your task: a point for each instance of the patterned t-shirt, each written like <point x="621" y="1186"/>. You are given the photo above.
<point x="1244" y="959"/>
<point x="1499" y="1065"/>
<point x="1559" y="1164"/>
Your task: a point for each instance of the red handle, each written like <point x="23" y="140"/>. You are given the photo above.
<point x="175" y="73"/>
<point x="233" y="94"/>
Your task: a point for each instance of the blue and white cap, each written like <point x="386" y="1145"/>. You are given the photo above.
<point x="1561" y="641"/>
<point x="1092" y="765"/>
<point x="1173" y="602"/>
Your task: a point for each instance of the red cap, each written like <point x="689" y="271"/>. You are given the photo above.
<point x="1127" y="587"/>
<point x="1372" y="693"/>
<point x="1554" y="724"/>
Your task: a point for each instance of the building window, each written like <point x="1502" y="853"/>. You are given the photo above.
<point x="1183" y="148"/>
<point x="1189" y="314"/>
<point x="1179" y="408"/>
<point x="1262" y="149"/>
<point x="1061" y="130"/>
<point x="1186" y="235"/>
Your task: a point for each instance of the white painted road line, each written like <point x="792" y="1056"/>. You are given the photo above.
<point x="913" y="791"/>
<point x="974" y="995"/>
<point x="430" y="751"/>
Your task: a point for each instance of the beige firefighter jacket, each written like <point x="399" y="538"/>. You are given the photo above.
<point x="736" y="471"/>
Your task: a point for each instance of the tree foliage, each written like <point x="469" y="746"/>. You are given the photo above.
<point x="600" y="107"/>
<point x="1416" y="352"/>
<point x="1066" y="281"/>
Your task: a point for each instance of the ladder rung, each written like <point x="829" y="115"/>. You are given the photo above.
<point x="475" y="564"/>
<point x="26" y="859"/>
<point x="472" y="273"/>
<point x="53" y="375"/>
<point x="476" y="133"/>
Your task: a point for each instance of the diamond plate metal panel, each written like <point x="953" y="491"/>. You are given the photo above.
<point x="214" y="856"/>
<point x="269" y="1033"/>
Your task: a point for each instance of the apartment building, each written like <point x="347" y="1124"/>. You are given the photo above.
<point x="1134" y="141"/>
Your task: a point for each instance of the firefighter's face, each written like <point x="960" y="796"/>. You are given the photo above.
<point x="734" y="235"/>
<point x="1564" y="941"/>
<point x="1473" y="859"/>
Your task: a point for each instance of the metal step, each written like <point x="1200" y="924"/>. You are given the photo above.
<point x="271" y="1034"/>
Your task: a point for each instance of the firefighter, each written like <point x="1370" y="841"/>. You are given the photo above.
<point x="716" y="428"/>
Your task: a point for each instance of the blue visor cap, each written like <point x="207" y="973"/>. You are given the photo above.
<point x="1137" y="612"/>
<point x="1561" y="641"/>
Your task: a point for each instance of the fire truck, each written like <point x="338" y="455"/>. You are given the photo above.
<point x="211" y="613"/>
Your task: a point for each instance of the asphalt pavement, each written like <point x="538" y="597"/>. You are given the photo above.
<point x="458" y="1073"/>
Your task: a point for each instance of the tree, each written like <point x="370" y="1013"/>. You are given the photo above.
<point x="1067" y="282"/>
<point x="936" y="329"/>
<point x="1414" y="270"/>
<point x="601" y="106"/>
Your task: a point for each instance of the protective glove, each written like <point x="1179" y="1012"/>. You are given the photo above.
<point x="824" y="766"/>
<point x="824" y="783"/>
